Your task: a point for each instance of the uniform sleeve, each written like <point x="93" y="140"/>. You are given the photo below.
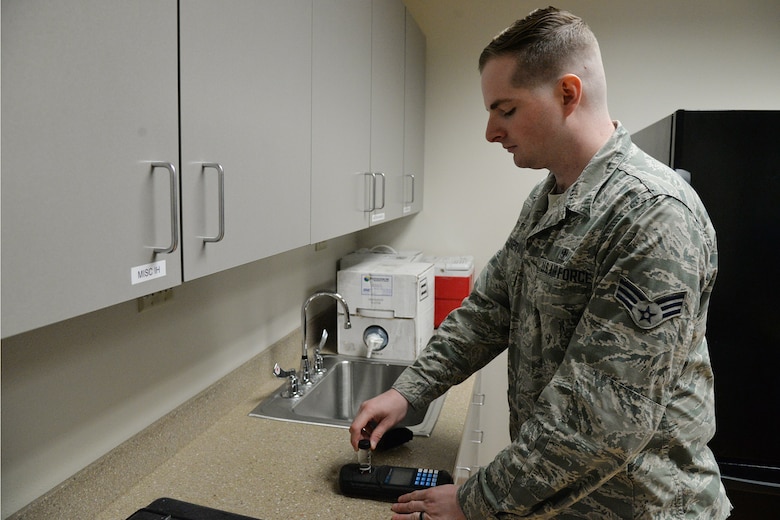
<point x="654" y="271"/>
<point x="468" y="339"/>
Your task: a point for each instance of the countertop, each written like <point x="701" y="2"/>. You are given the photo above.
<point x="210" y="452"/>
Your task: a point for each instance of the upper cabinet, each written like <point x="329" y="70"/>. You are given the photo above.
<point x="414" y="118"/>
<point x="388" y="45"/>
<point x="365" y="111"/>
<point x="90" y="168"/>
<point x="245" y="70"/>
<point x="342" y="184"/>
<point x="150" y="142"/>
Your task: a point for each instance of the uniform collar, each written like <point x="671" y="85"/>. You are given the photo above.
<point x="580" y="195"/>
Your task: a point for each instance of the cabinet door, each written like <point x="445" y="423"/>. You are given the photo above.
<point x="388" y="29"/>
<point x="486" y="431"/>
<point x="341" y="118"/>
<point x="246" y="107"/>
<point x="414" y="118"/>
<point x="89" y="103"/>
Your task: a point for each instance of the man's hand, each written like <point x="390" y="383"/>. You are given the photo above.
<point x="376" y="416"/>
<point x="436" y="503"/>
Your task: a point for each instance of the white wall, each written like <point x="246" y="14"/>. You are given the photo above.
<point x="659" y="55"/>
<point x="74" y="390"/>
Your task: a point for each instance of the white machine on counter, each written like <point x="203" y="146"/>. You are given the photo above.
<point x="391" y="305"/>
<point x="380" y="254"/>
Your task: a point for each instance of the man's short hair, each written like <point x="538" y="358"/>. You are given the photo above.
<point x="543" y="43"/>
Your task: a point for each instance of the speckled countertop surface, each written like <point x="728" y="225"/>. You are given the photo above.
<point x="210" y="452"/>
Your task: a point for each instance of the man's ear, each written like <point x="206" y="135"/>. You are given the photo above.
<point x="570" y="91"/>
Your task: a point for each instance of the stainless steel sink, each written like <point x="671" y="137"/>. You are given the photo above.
<point x="334" y="398"/>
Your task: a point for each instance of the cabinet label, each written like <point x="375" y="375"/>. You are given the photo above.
<point x="146" y="272"/>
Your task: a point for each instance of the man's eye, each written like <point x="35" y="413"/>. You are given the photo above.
<point x="509" y="113"/>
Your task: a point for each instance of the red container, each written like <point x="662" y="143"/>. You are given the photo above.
<point x="454" y="281"/>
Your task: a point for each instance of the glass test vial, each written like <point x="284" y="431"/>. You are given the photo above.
<point x="364" y="455"/>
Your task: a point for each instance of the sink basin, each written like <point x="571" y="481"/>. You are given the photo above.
<point x="334" y="398"/>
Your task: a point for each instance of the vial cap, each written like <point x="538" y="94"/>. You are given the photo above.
<point x="364" y="444"/>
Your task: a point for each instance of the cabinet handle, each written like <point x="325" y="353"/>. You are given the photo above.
<point x="174" y="211"/>
<point x="383" y="190"/>
<point x="221" y="186"/>
<point x="411" y="201"/>
<point x="462" y="473"/>
<point x="372" y="196"/>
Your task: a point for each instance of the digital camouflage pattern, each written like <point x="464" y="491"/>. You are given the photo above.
<point x="602" y="303"/>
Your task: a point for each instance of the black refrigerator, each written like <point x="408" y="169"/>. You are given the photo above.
<point x="732" y="159"/>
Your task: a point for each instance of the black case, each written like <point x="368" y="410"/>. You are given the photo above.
<point x="172" y="509"/>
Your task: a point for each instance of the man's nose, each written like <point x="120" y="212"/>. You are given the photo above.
<point x="493" y="132"/>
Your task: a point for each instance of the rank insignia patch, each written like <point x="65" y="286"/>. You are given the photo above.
<point x="647" y="313"/>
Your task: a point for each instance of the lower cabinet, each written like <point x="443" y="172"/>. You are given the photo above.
<point x="486" y="431"/>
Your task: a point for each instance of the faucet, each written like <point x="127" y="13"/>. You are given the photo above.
<point x="305" y="369"/>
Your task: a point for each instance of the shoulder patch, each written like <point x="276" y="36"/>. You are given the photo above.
<point x="644" y="312"/>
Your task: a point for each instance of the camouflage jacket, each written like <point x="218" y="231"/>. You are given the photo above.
<point x="602" y="303"/>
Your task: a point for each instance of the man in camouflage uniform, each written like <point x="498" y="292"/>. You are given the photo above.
<point x="600" y="295"/>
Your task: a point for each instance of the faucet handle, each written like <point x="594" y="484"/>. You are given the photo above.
<point x="323" y="340"/>
<point x="319" y="363"/>
<point x="278" y="372"/>
<point x="293" y="390"/>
